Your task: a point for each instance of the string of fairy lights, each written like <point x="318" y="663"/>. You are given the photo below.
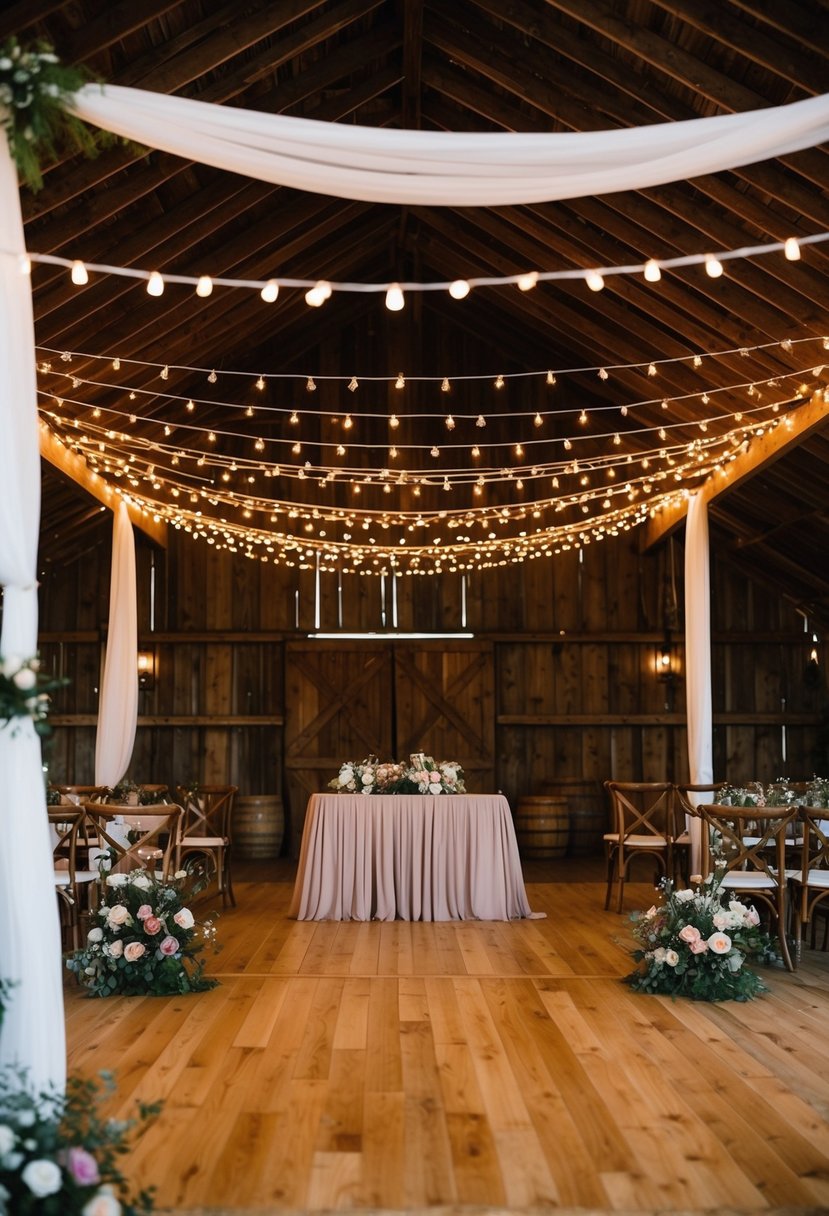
<point x="238" y="501"/>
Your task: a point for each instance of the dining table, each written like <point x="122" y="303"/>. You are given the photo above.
<point x="409" y="857"/>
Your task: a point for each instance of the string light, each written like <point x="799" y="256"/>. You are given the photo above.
<point x="400" y="382"/>
<point x="652" y="272"/>
<point x="212" y="378"/>
<point x="260" y="383"/>
<point x="459" y="290"/>
<point x="450" y="422"/>
<point x="270" y="292"/>
<point x="538" y="420"/>
<point x="594" y="280"/>
<point x="499" y="381"/>
<point x="204" y="287"/>
<point x="353" y="385"/>
<point x="551" y="379"/>
<point x="79" y="274"/>
<point x="526" y="282"/>
<point x="445" y="386"/>
<point x="791" y="249"/>
<point x="165" y="373"/>
<point x="310" y="385"/>
<point x="713" y="266"/>
<point x="318" y="294"/>
<point x="394" y="298"/>
<point x="155" y="284"/>
<point x="394" y="421"/>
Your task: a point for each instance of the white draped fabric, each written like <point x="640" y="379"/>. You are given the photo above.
<point x="698" y="657"/>
<point x="118" y="703"/>
<point x="33" y="1032"/>
<point x="444" y="168"/>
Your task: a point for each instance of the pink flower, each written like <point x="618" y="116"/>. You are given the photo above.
<point x="753" y="916"/>
<point x="689" y="934"/>
<point x="144" y="911"/>
<point x="169" y="945"/>
<point x="82" y="1166"/>
<point x="152" y="925"/>
<point x="719" y="943"/>
<point x="133" y="951"/>
<point x="434" y="776"/>
<point x="699" y="946"/>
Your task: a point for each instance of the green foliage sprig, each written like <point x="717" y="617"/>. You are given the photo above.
<point x="59" y="1156"/>
<point x="24" y="692"/>
<point x="35" y="89"/>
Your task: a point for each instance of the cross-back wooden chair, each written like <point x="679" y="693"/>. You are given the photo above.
<point x="810" y="883"/>
<point x="138" y="837"/>
<point x="687" y="800"/>
<point x="643" y="826"/>
<point x="75" y="880"/>
<point x="750" y="841"/>
<point x="84" y="793"/>
<point x="207" y="830"/>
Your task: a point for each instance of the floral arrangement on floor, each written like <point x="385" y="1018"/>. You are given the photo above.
<point x="24" y="692"/>
<point x="422" y="775"/>
<point x="35" y="89"/>
<point x="144" y="940"/>
<point x="697" y="943"/>
<point x="59" y="1157"/>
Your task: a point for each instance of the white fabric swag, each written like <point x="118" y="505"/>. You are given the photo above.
<point x="441" y="168"/>
<point x="118" y="705"/>
<point x="407" y="167"/>
<point x="698" y="658"/>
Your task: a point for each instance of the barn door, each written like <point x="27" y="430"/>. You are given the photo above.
<point x="338" y="706"/>
<point x="444" y="706"/>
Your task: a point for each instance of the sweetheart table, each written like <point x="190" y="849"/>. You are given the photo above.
<point x="409" y="857"/>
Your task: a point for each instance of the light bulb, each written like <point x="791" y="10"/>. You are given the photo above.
<point x="191" y="405"/>
<point x="713" y="266"/>
<point x="204" y="287"/>
<point x="526" y="282"/>
<point x="652" y="272"/>
<point x="270" y="291"/>
<point x="318" y="294"/>
<point x="594" y="280"/>
<point x="791" y="249"/>
<point x="480" y="421"/>
<point x="550" y="378"/>
<point x="445" y="385"/>
<point x="651" y="369"/>
<point x="260" y="383"/>
<point x="294" y="418"/>
<point x="459" y="290"/>
<point x="79" y="274"/>
<point x="116" y="364"/>
<point x="353" y="385"/>
<point x="538" y="420"/>
<point x="499" y="381"/>
<point x="394" y="421"/>
<point x="310" y="385"/>
<point x="394" y="298"/>
<point x="155" y="284"/>
<point x="450" y="422"/>
<point x="400" y="382"/>
<point x="165" y="373"/>
<point x="602" y="373"/>
<point x="348" y="422"/>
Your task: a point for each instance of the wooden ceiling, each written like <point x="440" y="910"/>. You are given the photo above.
<point x="473" y="65"/>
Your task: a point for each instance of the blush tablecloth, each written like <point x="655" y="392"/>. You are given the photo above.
<point x="409" y="857"/>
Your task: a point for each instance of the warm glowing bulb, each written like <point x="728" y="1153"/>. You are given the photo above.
<point x="318" y="294"/>
<point x="594" y="280"/>
<point x="400" y="382"/>
<point x="394" y="298"/>
<point x="450" y="422"/>
<point x="791" y="249"/>
<point x="459" y="290"/>
<point x="116" y="364"/>
<point x="538" y="420"/>
<point x="165" y="373"/>
<point x="480" y="421"/>
<point x="353" y="385"/>
<point x="79" y="274"/>
<point x="310" y="385"/>
<point x="499" y="381"/>
<point x="550" y="378"/>
<point x="155" y="284"/>
<point x="191" y="405"/>
<point x="212" y="378"/>
<point x="204" y="287"/>
<point x="652" y="272"/>
<point x="583" y="417"/>
<point x="526" y="282"/>
<point x="713" y="266"/>
<point x="348" y="422"/>
<point x="445" y="385"/>
<point x="260" y="383"/>
<point x="270" y="291"/>
<point x="294" y="418"/>
<point x="394" y="421"/>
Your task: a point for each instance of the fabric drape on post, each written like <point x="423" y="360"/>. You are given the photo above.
<point x="446" y="168"/>
<point x="118" y="705"/>
<point x="698" y="657"/>
<point x="30" y="951"/>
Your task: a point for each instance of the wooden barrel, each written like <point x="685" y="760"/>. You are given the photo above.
<point x="588" y="813"/>
<point x="258" y="826"/>
<point x="542" y="826"/>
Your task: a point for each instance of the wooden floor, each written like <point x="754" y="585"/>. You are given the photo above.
<point x="406" y="1066"/>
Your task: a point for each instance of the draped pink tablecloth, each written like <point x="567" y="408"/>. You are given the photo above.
<point x="409" y="857"/>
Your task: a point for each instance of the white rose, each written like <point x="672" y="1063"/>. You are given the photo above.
<point x="103" y="1203"/>
<point x="117" y="880"/>
<point x="115" y="949"/>
<point x="180" y="874"/>
<point x="142" y="881"/>
<point x="25" y="678"/>
<point x="118" y="915"/>
<point x="7" y="1139"/>
<point x="671" y="958"/>
<point x="27" y="1118"/>
<point x="42" y="1178"/>
<point x="95" y="935"/>
<point x="684" y="897"/>
<point x="5" y="63"/>
<point x="184" y="918"/>
<point x="346" y="774"/>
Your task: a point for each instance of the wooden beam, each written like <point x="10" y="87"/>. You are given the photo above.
<point x="76" y="468"/>
<point x="763" y="451"/>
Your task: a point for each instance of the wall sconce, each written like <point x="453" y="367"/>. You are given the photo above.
<point x="146" y="670"/>
<point x="667" y="668"/>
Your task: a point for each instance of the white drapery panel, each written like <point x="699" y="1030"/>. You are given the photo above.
<point x="30" y="952"/>
<point x="118" y="704"/>
<point x="443" y="168"/>
<point x="698" y="657"/>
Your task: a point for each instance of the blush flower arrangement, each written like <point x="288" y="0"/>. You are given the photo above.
<point x="423" y="775"/>
<point x="144" y="940"/>
<point x="59" y="1156"/>
<point x="697" y="942"/>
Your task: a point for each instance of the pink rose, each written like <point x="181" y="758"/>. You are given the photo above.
<point x="152" y="925"/>
<point x="118" y="916"/>
<point x="699" y="946"/>
<point x="82" y="1166"/>
<point x="719" y="943"/>
<point x="689" y="933"/>
<point x="116" y="948"/>
<point x="144" y="911"/>
<point x="134" y="951"/>
<point x="753" y="916"/>
<point x="433" y="776"/>
<point x="169" y="945"/>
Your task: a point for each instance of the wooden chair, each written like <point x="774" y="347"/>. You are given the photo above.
<point x="810" y="883"/>
<point x="687" y="799"/>
<point x="75" y="882"/>
<point x="207" y="830"/>
<point x="139" y="837"/>
<point x="750" y="841"/>
<point x="84" y="793"/>
<point x="643" y="818"/>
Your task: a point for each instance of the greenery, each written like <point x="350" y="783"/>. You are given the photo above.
<point x="24" y="692"/>
<point x="778" y="793"/>
<point x="423" y="775"/>
<point x="697" y="943"/>
<point x="127" y="791"/>
<point x="59" y="1156"/>
<point x="146" y="941"/>
<point x="35" y="90"/>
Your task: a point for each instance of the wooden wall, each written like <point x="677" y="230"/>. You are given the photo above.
<point x="557" y="685"/>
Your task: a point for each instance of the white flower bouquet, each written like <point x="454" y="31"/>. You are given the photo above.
<point x="423" y="775"/>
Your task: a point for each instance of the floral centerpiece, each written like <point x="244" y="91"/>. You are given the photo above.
<point x="423" y="775"/>
<point x="697" y="942"/>
<point x="144" y="939"/>
<point x="58" y="1156"/>
<point x="24" y="692"/>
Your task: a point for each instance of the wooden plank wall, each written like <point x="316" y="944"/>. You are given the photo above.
<point x="570" y="640"/>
